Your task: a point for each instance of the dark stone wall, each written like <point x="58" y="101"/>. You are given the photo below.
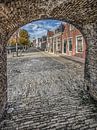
<point x="80" y="13"/>
<point x="91" y="59"/>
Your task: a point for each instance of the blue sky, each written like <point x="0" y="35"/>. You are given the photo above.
<point x="39" y="28"/>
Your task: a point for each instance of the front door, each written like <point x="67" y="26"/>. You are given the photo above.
<point x="65" y="43"/>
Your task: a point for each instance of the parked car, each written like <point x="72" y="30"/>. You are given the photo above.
<point x="13" y="48"/>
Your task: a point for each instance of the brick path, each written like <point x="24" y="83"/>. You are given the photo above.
<point x="47" y="93"/>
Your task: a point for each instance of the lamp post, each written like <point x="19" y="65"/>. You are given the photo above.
<point x="17" y="33"/>
<point x="16" y="49"/>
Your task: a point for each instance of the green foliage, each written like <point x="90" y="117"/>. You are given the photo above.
<point x="23" y="37"/>
<point x="12" y="41"/>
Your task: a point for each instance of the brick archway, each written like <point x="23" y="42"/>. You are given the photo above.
<point x="82" y="14"/>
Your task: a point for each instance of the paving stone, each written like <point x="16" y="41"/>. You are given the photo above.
<point x="43" y="96"/>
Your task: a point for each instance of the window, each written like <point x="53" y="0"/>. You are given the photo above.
<point x="79" y="44"/>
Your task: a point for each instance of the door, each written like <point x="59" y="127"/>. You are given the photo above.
<point x="65" y="43"/>
<point x="70" y="44"/>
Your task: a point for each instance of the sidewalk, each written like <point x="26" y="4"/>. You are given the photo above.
<point x="73" y="58"/>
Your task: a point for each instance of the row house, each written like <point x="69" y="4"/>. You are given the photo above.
<point x="54" y="40"/>
<point x="41" y="44"/>
<point x="74" y="43"/>
<point x="49" y="45"/>
<point x="34" y="42"/>
<point x="54" y="43"/>
<point x="44" y="42"/>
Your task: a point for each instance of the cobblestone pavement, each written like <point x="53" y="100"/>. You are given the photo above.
<point x="46" y="92"/>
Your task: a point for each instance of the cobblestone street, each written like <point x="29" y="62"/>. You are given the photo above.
<point x="46" y="92"/>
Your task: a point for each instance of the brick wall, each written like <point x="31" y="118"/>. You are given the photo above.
<point x="72" y="32"/>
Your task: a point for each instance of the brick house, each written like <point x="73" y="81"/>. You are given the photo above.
<point x="74" y="43"/>
<point x="49" y="45"/>
<point x="42" y="43"/>
<point x="54" y="40"/>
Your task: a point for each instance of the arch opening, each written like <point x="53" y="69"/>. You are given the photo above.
<point x="19" y="72"/>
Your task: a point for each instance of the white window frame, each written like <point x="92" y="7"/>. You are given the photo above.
<point x="77" y="43"/>
<point x="71" y="27"/>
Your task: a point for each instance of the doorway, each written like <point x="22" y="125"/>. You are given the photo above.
<point x="65" y="44"/>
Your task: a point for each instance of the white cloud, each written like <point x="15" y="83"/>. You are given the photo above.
<point x="39" y="28"/>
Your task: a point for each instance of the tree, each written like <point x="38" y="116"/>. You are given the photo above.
<point x="12" y="41"/>
<point x="23" y="37"/>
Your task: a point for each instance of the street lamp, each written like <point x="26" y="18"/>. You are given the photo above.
<point x="17" y="35"/>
